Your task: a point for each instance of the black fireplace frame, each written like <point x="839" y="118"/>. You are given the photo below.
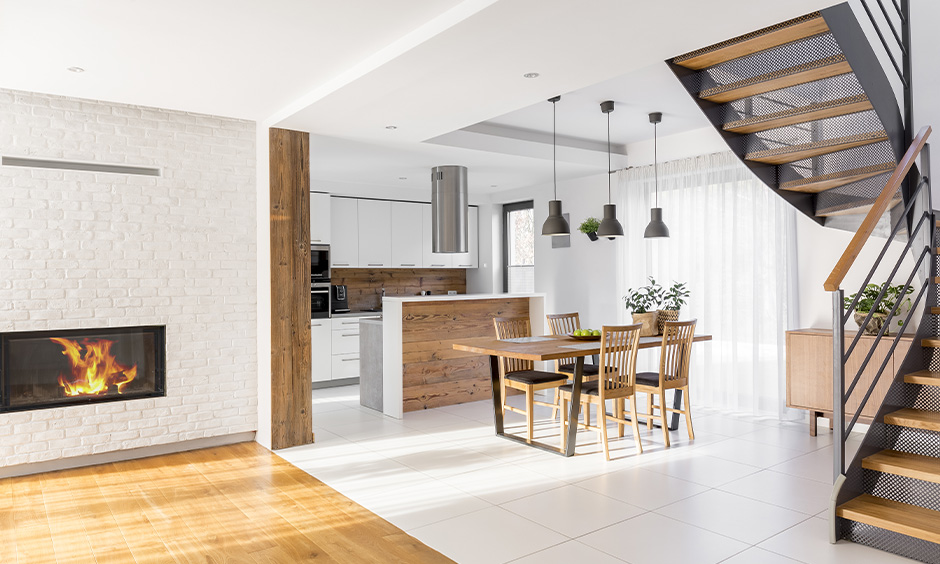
<point x="159" y="332"/>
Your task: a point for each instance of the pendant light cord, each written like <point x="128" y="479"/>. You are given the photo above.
<point x="554" y="152"/>
<point x="608" y="157"/>
<point x="656" y="162"/>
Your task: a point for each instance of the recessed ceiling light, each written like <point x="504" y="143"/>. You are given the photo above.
<point x="391" y="127"/>
<point x="494" y="185"/>
<point x="75" y="69"/>
<point x="403" y="178"/>
<point x="531" y="75"/>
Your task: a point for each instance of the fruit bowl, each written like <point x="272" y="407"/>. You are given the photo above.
<point x="585" y="337"/>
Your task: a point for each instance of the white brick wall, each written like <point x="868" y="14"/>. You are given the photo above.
<point x="80" y="249"/>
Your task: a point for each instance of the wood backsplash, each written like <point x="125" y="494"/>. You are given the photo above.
<point x="364" y="285"/>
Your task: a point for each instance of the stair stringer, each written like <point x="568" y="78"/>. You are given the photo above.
<point x="881" y="436"/>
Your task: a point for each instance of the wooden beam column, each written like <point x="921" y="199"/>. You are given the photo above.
<point x="291" y="419"/>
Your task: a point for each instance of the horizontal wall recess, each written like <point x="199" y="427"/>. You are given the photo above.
<point x="73" y="165"/>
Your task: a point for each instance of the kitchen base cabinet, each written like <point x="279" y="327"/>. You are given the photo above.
<point x="321" y="349"/>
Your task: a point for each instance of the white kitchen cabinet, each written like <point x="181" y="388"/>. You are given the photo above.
<point x="320" y="218"/>
<point x="471" y="258"/>
<point x="407" y="235"/>
<point x="345" y="353"/>
<point x="321" y="349"/>
<point x="344" y="232"/>
<point x="431" y="259"/>
<point x="375" y="228"/>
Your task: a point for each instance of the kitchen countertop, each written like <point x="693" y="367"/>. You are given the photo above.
<point x="453" y="297"/>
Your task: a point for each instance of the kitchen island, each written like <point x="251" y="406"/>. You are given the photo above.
<point x="421" y="369"/>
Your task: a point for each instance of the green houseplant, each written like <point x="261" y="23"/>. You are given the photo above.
<point x="642" y="303"/>
<point x="589" y="227"/>
<point x="866" y="302"/>
<point x="673" y="299"/>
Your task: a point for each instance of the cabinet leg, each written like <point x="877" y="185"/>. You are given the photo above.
<point x="812" y="422"/>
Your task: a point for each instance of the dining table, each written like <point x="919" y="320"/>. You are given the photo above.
<point x="546" y="348"/>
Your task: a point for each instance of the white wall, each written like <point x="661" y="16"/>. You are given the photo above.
<point x="86" y="250"/>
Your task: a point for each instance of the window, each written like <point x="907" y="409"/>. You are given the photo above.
<point x="519" y="248"/>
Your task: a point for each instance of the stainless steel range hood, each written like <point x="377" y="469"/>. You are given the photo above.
<point x="449" y="209"/>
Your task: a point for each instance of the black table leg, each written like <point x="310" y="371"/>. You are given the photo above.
<point x="676" y="404"/>
<point x="497" y="395"/>
<point x="575" y="407"/>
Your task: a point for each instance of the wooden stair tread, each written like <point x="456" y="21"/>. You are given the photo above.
<point x="799" y="74"/>
<point x="935" y="310"/>
<point x="926" y="377"/>
<point x="914" y="466"/>
<point x="812" y="112"/>
<point x="914" y="418"/>
<point x="783" y="155"/>
<point x="815" y="184"/>
<point x="930" y="343"/>
<point x="750" y="43"/>
<point x="894" y="516"/>
<point x="856" y="208"/>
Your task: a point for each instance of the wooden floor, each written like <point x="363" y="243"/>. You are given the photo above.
<point x="233" y="504"/>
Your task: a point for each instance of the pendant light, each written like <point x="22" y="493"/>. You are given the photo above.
<point x="555" y="224"/>
<point x="656" y="227"/>
<point x="609" y="227"/>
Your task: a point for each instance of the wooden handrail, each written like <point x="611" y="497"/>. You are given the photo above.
<point x="877" y="210"/>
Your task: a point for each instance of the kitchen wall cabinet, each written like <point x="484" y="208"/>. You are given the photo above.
<point x="344" y="232"/>
<point x="321" y="348"/>
<point x="432" y="259"/>
<point x="375" y="228"/>
<point x="320" y="218"/>
<point x="407" y="235"/>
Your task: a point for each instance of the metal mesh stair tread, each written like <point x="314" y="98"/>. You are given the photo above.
<point x="856" y="207"/>
<point x="799" y="74"/>
<point x="819" y="110"/>
<point x="783" y="155"/>
<point x="825" y="182"/>
<point x="894" y="516"/>
<point x="906" y="464"/>
<point x="756" y="41"/>
<point x="914" y="418"/>
<point x="924" y="377"/>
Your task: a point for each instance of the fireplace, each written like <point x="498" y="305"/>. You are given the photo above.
<point x="43" y="369"/>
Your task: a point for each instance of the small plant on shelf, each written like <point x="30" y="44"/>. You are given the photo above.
<point x="866" y="303"/>
<point x="589" y="227"/>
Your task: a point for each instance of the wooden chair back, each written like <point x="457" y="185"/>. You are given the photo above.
<point x="563" y="324"/>
<point x="513" y="328"/>
<point x="619" y="347"/>
<point x="676" y="353"/>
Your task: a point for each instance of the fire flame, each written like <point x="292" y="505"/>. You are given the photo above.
<point x="94" y="369"/>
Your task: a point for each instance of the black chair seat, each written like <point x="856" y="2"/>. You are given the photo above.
<point x="588" y="370"/>
<point x="650" y="379"/>
<point x="587" y="388"/>
<point x="535" y="377"/>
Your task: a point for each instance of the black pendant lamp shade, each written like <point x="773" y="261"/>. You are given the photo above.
<point x="656" y="228"/>
<point x="609" y="227"/>
<point x="555" y="223"/>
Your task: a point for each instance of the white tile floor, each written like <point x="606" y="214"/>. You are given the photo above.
<point x="746" y="491"/>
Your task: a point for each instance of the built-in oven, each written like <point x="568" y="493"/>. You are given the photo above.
<point x="319" y="300"/>
<point x="320" y="264"/>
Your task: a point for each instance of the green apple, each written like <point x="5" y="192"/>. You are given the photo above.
<point x="596" y="333"/>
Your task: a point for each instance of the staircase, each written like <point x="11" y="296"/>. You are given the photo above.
<point x="790" y="104"/>
<point x="806" y="105"/>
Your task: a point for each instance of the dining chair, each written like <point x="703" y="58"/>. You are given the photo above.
<point x="616" y="382"/>
<point x="673" y="374"/>
<point x="565" y="324"/>
<point x="519" y="374"/>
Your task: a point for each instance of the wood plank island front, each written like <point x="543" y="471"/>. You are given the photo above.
<point x="421" y="370"/>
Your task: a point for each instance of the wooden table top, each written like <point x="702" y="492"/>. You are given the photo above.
<point x="548" y="347"/>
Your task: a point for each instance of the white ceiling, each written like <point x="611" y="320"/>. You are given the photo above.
<point x="447" y="73"/>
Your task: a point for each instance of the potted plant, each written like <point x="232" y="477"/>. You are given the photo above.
<point x="589" y="227"/>
<point x="866" y="302"/>
<point x="673" y="300"/>
<point x="642" y="303"/>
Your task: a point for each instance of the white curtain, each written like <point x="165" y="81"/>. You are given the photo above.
<point x="732" y="240"/>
